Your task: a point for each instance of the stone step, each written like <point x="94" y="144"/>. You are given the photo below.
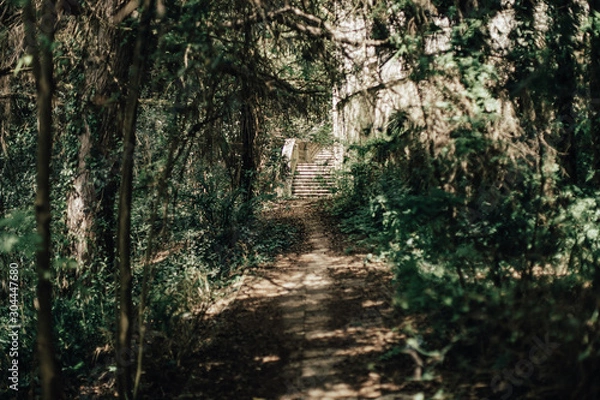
<point x="323" y="158"/>
<point x="311" y="193"/>
<point x="311" y="182"/>
<point x="312" y="179"/>
<point x="313" y="173"/>
<point x="328" y="163"/>
<point x="310" y="196"/>
<point x="311" y="190"/>
<point x="309" y="174"/>
<point x="313" y="169"/>
<point x="311" y="187"/>
<point x="317" y="160"/>
<point x="304" y="174"/>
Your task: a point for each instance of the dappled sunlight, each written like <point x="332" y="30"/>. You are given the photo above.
<point x="267" y="359"/>
<point x="309" y="326"/>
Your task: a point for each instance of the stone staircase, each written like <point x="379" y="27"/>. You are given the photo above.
<point x="313" y="179"/>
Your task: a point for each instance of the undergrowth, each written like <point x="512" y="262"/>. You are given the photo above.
<point x="501" y="281"/>
<point x="213" y="238"/>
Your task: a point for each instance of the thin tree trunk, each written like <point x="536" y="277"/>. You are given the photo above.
<point x="106" y="75"/>
<point x="594" y="82"/>
<point x="125" y="312"/>
<point x="565" y="46"/>
<point x="248" y="125"/>
<point x="148" y="274"/>
<point x="43" y="68"/>
<point x="5" y="122"/>
<point x="594" y="86"/>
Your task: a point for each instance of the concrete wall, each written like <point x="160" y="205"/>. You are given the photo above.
<point x="376" y="86"/>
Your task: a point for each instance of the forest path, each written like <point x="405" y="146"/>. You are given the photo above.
<point x="310" y="326"/>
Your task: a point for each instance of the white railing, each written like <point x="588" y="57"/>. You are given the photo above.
<point x="290" y="155"/>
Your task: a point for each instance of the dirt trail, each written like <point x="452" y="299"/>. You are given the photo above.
<point x="310" y="326"/>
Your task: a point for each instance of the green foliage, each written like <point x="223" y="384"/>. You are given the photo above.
<point x="581" y="241"/>
<point x="216" y="217"/>
<point x="17" y="233"/>
<point x="478" y="233"/>
<point x="82" y="322"/>
<point x="322" y="135"/>
<point x="17" y="165"/>
<point x="466" y="264"/>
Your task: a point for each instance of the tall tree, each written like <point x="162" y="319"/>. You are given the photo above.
<point x="248" y="120"/>
<point x="111" y="57"/>
<point x="90" y="204"/>
<point x="125" y="313"/>
<point x="43" y="68"/>
<point x="563" y="46"/>
<point x="594" y="88"/>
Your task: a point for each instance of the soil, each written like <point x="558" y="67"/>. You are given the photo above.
<point x="315" y="324"/>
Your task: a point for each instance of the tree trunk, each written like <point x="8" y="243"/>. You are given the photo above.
<point x="249" y="127"/>
<point x="79" y="218"/>
<point x="43" y="69"/>
<point x="125" y="312"/>
<point x="106" y="72"/>
<point x="594" y="106"/>
<point x="5" y="123"/>
<point x="565" y="30"/>
<point x="248" y="124"/>
<point x="91" y="214"/>
<point x="594" y="85"/>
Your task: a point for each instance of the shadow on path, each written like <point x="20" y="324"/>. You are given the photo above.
<point x="311" y="326"/>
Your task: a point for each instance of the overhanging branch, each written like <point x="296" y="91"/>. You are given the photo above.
<point x="306" y="23"/>
<point x="370" y="90"/>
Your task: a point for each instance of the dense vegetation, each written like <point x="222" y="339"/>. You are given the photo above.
<point x="160" y="163"/>
<point x="159" y="130"/>
<point x="487" y="200"/>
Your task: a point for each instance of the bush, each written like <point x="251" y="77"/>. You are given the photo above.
<point x="491" y="260"/>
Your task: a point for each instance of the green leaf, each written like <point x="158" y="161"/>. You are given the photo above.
<point x="7" y="242"/>
<point x="24" y="61"/>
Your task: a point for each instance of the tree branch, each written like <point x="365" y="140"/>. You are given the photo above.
<point x="370" y="89"/>
<point x="11" y="71"/>
<point x="309" y="24"/>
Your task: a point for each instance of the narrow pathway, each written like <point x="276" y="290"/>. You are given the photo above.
<point x="315" y="370"/>
<point x="311" y="326"/>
